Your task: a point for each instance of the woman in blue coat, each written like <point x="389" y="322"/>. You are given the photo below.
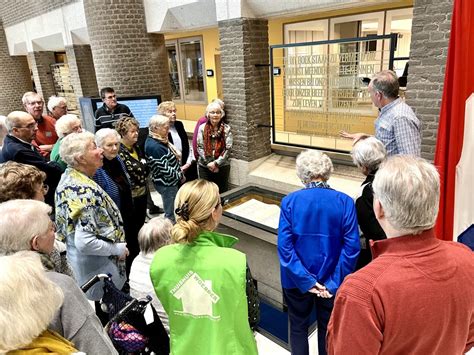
<point x="318" y="245"/>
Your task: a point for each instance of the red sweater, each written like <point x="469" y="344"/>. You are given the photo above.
<point x="415" y="297"/>
<point x="46" y="134"/>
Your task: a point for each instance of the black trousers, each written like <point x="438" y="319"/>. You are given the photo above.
<point x="221" y="178"/>
<point x="300" y="305"/>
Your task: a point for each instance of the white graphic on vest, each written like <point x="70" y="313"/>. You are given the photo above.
<point x="196" y="296"/>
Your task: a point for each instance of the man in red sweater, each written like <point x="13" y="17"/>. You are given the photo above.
<point x="417" y="295"/>
<point x="46" y="135"/>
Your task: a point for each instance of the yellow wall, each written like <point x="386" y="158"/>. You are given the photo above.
<point x="210" y="43"/>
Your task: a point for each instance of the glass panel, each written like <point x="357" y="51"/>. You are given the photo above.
<point x="400" y="21"/>
<point x="173" y="71"/>
<point x="322" y="90"/>
<point x="192" y="72"/>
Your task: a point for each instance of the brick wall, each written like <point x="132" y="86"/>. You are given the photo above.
<point x="13" y="12"/>
<point x="15" y="78"/>
<point x="40" y="65"/>
<point x="246" y="88"/>
<point x="82" y="71"/>
<point x="428" y="53"/>
<point x="126" y="57"/>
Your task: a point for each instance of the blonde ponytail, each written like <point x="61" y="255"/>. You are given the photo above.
<point x="194" y="205"/>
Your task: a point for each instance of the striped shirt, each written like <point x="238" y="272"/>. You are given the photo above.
<point x="399" y="129"/>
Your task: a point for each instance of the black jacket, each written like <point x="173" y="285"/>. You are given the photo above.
<point x="24" y="153"/>
<point x="106" y="119"/>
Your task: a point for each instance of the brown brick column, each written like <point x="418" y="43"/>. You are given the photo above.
<point x="243" y="44"/>
<point x="15" y="78"/>
<point x="126" y="57"/>
<point x="40" y="64"/>
<point x="82" y="71"/>
<point x="428" y="54"/>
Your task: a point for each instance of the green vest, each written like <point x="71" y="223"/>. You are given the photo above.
<point x="202" y="288"/>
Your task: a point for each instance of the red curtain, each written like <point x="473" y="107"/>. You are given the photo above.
<point x="458" y="86"/>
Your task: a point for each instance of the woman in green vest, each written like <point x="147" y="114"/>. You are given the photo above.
<point x="205" y="285"/>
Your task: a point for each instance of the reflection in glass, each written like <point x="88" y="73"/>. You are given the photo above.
<point x="191" y="70"/>
<point x="173" y="71"/>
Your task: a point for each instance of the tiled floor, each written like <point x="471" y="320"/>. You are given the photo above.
<point x="267" y="347"/>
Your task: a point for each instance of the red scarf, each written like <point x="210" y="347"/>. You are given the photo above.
<point x="218" y="137"/>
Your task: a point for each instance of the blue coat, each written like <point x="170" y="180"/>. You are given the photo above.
<point x="318" y="239"/>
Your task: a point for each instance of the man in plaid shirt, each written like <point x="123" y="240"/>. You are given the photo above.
<point x="396" y="126"/>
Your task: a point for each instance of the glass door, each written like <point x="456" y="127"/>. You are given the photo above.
<point x="186" y="65"/>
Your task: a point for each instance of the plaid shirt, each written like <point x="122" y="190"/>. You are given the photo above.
<point x="399" y="129"/>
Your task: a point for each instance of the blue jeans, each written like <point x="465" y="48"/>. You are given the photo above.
<point x="168" y="193"/>
<point x="300" y="305"/>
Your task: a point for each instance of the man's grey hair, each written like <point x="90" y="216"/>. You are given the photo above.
<point x="29" y="300"/>
<point x="13" y="119"/>
<point x="313" y="164"/>
<point x="104" y="133"/>
<point x="368" y="153"/>
<point x="55" y="101"/>
<point x="73" y="146"/>
<point x="20" y="221"/>
<point x="28" y="95"/>
<point x="408" y="190"/>
<point x="154" y="234"/>
<point x="64" y="123"/>
<point x="157" y="121"/>
<point x="386" y="82"/>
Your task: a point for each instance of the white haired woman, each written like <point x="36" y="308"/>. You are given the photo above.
<point x="24" y="322"/>
<point x="164" y="162"/>
<point x="202" y="282"/>
<point x="318" y="245"/>
<point x="65" y="125"/>
<point x="214" y="142"/>
<point x="179" y="138"/>
<point x="23" y="181"/>
<point x="25" y="226"/>
<point x="155" y="234"/>
<point x="367" y="153"/>
<point x="114" y="179"/>
<point x="87" y="218"/>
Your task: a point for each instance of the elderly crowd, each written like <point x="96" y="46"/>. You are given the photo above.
<point x="73" y="205"/>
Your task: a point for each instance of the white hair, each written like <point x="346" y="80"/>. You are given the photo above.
<point x="408" y="190"/>
<point x="215" y="105"/>
<point x="28" y="95"/>
<point x="29" y="300"/>
<point x="55" y="101"/>
<point x="20" y="221"/>
<point x="368" y="153"/>
<point x="157" y="121"/>
<point x="64" y="123"/>
<point x="312" y="164"/>
<point x="104" y="133"/>
<point x="154" y="234"/>
<point x="220" y="102"/>
<point x="73" y="146"/>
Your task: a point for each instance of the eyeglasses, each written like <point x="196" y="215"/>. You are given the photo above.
<point x="32" y="103"/>
<point x="222" y="203"/>
<point x="111" y="97"/>
<point x="30" y="126"/>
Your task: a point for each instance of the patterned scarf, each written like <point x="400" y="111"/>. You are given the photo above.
<point x="315" y="184"/>
<point x="166" y="142"/>
<point x="218" y="138"/>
